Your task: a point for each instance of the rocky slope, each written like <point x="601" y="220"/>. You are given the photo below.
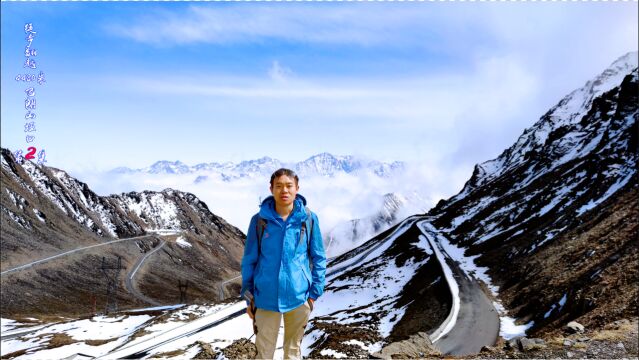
<point x="45" y="212"/>
<point x="554" y="217"/>
<point x="382" y="291"/>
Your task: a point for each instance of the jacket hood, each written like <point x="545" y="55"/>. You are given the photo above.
<point x="267" y="209"/>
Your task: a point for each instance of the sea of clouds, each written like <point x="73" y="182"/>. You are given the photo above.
<point x="336" y="200"/>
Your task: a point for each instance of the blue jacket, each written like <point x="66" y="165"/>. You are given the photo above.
<point x="281" y="279"/>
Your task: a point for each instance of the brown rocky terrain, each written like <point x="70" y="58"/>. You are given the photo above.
<point x="615" y="340"/>
<point x="596" y="264"/>
<point x="555" y="255"/>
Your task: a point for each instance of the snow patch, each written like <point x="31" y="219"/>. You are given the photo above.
<point x="183" y="243"/>
<point x="356" y="342"/>
<point x="451" y="320"/>
<point x="333" y="353"/>
<point x="39" y="214"/>
<point x="613" y="188"/>
<point x="18" y="219"/>
<point x="507" y="327"/>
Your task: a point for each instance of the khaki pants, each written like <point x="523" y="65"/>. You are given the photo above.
<point x="268" y="326"/>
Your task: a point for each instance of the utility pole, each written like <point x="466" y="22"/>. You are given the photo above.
<point x="183" y="287"/>
<point x="112" y="273"/>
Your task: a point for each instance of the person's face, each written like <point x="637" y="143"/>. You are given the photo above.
<point x="284" y="190"/>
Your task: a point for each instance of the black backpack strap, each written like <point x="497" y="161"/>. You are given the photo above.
<point x="260" y="226"/>
<point x="303" y="230"/>
<point x="310" y="232"/>
<point x="310" y="236"/>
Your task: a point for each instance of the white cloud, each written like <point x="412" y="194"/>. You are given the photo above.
<point x="278" y="72"/>
<point x="509" y="62"/>
<point x="537" y="32"/>
<point x="436" y="114"/>
<point x="304" y="23"/>
<point x="497" y="67"/>
<point x="492" y="89"/>
<point x="335" y="200"/>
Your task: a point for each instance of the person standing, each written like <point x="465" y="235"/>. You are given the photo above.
<point x="283" y="267"/>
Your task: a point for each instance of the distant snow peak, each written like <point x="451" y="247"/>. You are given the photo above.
<point x="323" y="164"/>
<point x="167" y="167"/>
<point x="350" y="234"/>
<point x="201" y="179"/>
<point x="394" y="200"/>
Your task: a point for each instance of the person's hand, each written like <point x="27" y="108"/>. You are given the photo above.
<point x="311" y="302"/>
<point x="250" y="310"/>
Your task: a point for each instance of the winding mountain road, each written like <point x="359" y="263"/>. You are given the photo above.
<point x="28" y="265"/>
<point x="128" y="282"/>
<point x="476" y="322"/>
<point x="130" y="286"/>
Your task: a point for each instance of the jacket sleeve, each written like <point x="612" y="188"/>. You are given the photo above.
<point x="318" y="258"/>
<point x="249" y="260"/>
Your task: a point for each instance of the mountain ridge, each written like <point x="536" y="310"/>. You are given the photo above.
<point x="323" y="164"/>
<point x="47" y="212"/>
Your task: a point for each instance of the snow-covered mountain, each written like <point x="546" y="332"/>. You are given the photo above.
<point x="548" y="226"/>
<point x="120" y="215"/>
<point x="166" y="167"/>
<point x="561" y="134"/>
<point x="350" y="234"/>
<point x="45" y="211"/>
<point x="323" y="164"/>
<point x="560" y="201"/>
<point x="575" y="157"/>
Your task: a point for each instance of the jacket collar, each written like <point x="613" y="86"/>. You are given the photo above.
<point x="298" y="215"/>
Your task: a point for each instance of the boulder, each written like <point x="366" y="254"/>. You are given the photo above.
<point x="568" y="342"/>
<point x="575" y="327"/>
<point x="513" y="344"/>
<point x="240" y="349"/>
<point x="531" y="344"/>
<point x="207" y="352"/>
<point x="416" y="346"/>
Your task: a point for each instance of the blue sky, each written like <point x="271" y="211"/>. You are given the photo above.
<point x="449" y="84"/>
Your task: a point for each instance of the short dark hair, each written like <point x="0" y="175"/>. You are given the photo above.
<point x="284" y="171"/>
